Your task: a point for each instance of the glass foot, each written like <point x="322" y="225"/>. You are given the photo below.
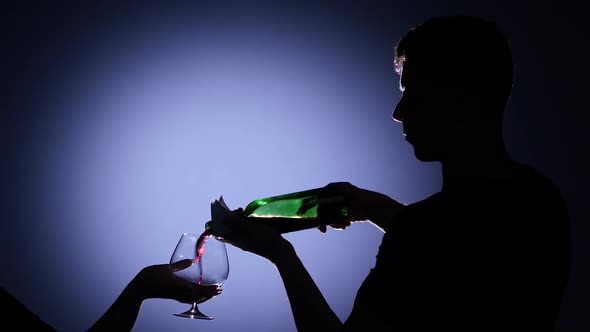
<point x="194" y="313"/>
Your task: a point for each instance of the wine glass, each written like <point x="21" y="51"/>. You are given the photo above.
<point x="210" y="264"/>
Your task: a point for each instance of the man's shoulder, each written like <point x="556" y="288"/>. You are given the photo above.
<point x="531" y="182"/>
<point x="426" y="205"/>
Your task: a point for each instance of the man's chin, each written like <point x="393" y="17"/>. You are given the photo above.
<point x="424" y="156"/>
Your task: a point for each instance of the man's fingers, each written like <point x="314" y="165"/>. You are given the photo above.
<point x="324" y="229"/>
<point x="341" y="226"/>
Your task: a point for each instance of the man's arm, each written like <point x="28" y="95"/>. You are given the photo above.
<point x="365" y="205"/>
<point x="380" y="209"/>
<point x="310" y="310"/>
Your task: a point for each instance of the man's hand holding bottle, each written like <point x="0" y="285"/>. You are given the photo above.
<point x="364" y="205"/>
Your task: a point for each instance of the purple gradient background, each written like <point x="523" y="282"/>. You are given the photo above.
<point x="124" y="122"/>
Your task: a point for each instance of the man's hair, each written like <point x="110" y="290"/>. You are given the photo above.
<point x="468" y="49"/>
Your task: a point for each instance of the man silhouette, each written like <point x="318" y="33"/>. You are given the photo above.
<point x="490" y="251"/>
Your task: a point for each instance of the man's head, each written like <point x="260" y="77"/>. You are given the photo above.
<point x="456" y="77"/>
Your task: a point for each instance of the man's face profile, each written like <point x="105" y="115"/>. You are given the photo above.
<point x="422" y="110"/>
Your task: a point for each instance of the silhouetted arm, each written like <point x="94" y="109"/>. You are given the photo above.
<point x="122" y="314"/>
<point x="310" y="310"/>
<point x="380" y="208"/>
<point x="156" y="281"/>
<point x="365" y="205"/>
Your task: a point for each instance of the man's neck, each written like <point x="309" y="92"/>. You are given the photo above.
<point x="483" y="163"/>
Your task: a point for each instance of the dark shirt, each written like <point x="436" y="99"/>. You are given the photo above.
<point x="480" y="256"/>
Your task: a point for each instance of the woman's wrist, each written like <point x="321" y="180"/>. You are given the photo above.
<point x="139" y="287"/>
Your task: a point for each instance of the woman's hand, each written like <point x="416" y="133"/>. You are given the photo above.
<point x="158" y="281"/>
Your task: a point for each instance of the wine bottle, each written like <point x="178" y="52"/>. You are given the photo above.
<point x="296" y="211"/>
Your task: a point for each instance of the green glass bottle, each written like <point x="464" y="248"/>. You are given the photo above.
<point x="297" y="211"/>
